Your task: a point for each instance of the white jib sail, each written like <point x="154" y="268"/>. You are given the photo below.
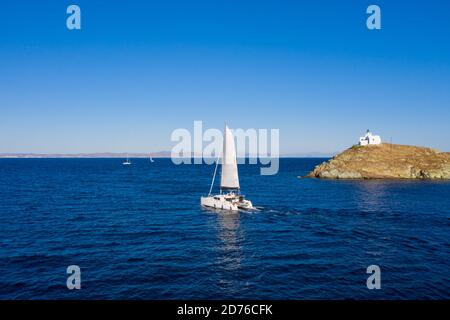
<point x="229" y="177"/>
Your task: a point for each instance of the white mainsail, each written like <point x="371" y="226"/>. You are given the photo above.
<point x="229" y="177"/>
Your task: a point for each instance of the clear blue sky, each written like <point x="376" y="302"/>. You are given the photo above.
<point x="139" y="69"/>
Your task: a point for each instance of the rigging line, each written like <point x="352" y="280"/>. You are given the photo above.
<point x="214" y="176"/>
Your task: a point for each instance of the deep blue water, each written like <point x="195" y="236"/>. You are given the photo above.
<point x="138" y="232"/>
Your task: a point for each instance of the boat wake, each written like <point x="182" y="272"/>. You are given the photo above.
<point x="254" y="209"/>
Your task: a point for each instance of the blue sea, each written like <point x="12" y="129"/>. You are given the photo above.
<point x="138" y="232"/>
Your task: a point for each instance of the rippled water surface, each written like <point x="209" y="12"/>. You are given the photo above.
<point x="138" y="232"/>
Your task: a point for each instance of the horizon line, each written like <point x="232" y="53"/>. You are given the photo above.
<point x="159" y="154"/>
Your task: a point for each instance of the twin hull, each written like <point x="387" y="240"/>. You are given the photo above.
<point x="218" y="203"/>
<point x="229" y="202"/>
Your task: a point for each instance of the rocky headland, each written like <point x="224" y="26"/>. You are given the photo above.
<point x="385" y="161"/>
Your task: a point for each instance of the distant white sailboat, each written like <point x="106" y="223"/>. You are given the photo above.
<point x="229" y="197"/>
<point x="151" y="159"/>
<point x="127" y="162"/>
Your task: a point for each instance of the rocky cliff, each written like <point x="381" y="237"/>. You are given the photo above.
<point x="386" y="161"/>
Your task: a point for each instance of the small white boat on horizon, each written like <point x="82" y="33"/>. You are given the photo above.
<point x="229" y="197"/>
<point x="127" y="162"/>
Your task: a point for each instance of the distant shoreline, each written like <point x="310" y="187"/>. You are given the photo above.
<point x="155" y="155"/>
<point x="81" y="155"/>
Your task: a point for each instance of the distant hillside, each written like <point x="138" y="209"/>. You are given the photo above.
<point x="162" y="154"/>
<point x="386" y="161"/>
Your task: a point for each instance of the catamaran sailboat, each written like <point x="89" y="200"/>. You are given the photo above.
<point x="127" y="162"/>
<point x="229" y="197"/>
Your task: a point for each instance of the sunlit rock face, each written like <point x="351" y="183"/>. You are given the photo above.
<point x="386" y="161"/>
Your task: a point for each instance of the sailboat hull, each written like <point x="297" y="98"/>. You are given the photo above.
<point x="212" y="202"/>
<point x="226" y="202"/>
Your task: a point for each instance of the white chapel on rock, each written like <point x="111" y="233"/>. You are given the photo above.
<point x="369" y="138"/>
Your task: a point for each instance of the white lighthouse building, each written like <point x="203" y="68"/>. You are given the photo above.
<point x="369" y="138"/>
